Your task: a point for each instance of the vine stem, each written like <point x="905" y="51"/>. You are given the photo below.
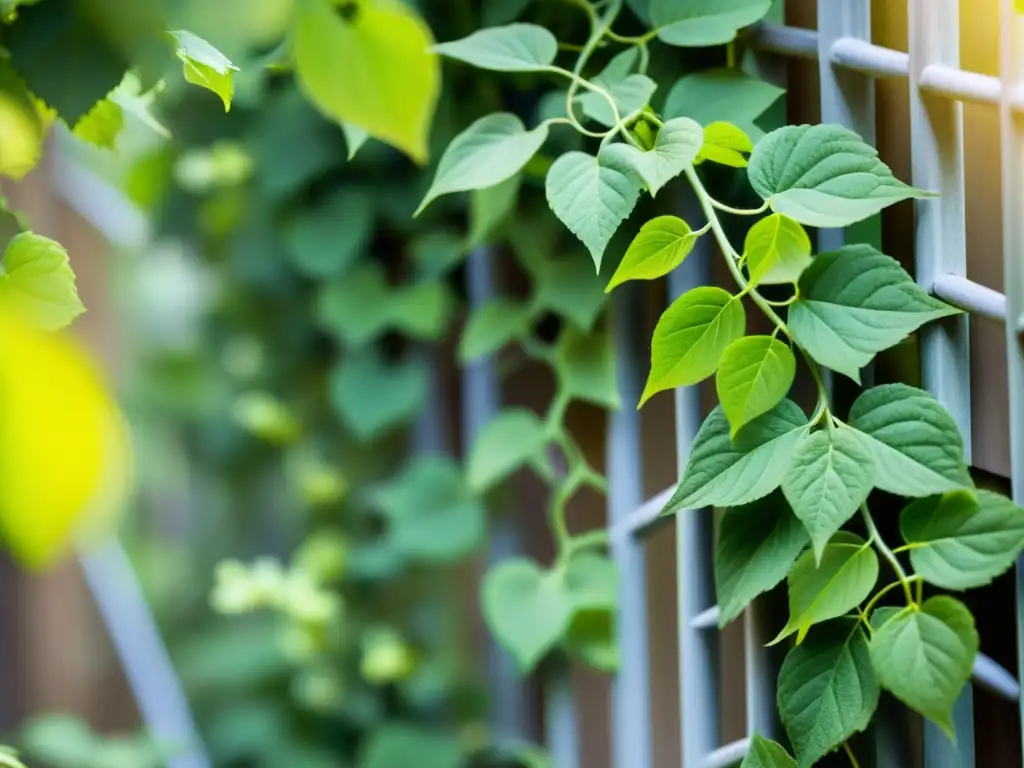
<point x="849" y="754"/>
<point x="738" y="211"/>
<point x="887" y="553"/>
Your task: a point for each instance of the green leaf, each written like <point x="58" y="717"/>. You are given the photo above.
<point x="585" y="365"/>
<point x="24" y="127"/>
<point x="963" y="539"/>
<point x="755" y="373"/>
<point x="675" y="149"/>
<point x="490" y="207"/>
<point x="356" y="309"/>
<point x="497" y="12"/>
<point x="430" y="513"/>
<point x="392" y="79"/>
<point x="831" y="475"/>
<point x="436" y="253"/>
<point x="130" y="97"/>
<point x="925" y="655"/>
<point x="314" y="243"/>
<point x="725" y="144"/>
<point x="593" y="639"/>
<point x="592" y="196"/>
<point x="755" y="546"/>
<point x="101" y="125"/>
<point x="569" y="286"/>
<point x="824" y="176"/>
<point x="490" y="151"/>
<point x="355" y="137"/>
<point x="916" y="444"/>
<point x="631" y="94"/>
<point x="777" y="250"/>
<point x="527" y="609"/>
<point x="38" y="282"/>
<point x="592" y="581"/>
<point x="856" y="302"/>
<point x="64" y="57"/>
<point x="700" y="23"/>
<point x="728" y="96"/>
<point x="766" y="754"/>
<point x="397" y="743"/>
<point x="722" y="472"/>
<point x="842" y="580"/>
<point x="422" y="311"/>
<point x="372" y="396"/>
<point x="659" y="247"/>
<point x="507" y="443"/>
<point x="205" y="66"/>
<point x="827" y="689"/>
<point x="691" y="337"/>
<point x="511" y="48"/>
<point x="493" y="325"/>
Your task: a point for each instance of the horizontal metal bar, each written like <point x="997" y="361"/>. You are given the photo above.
<point x="960" y="85"/>
<point x="995" y="679"/>
<point x="789" y="41"/>
<point x="971" y="297"/>
<point x="706" y="619"/>
<point x="644" y="517"/>
<point x="869" y="59"/>
<point x="727" y="756"/>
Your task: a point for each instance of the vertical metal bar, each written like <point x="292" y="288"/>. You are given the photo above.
<point x="631" y="692"/>
<point x="480" y="389"/>
<point x="560" y="721"/>
<point x="937" y="161"/>
<point x="154" y="683"/>
<point x="1012" y="129"/>
<point x="698" y="649"/>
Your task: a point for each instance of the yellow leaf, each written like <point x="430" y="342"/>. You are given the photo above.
<point x="369" y="65"/>
<point x="65" y="459"/>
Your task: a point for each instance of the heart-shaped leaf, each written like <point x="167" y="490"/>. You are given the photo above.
<point x="510" y="48"/>
<point x="38" y="283"/>
<point x="659" y="247"/>
<point x="754" y="375"/>
<point x="766" y="754"/>
<point x="700" y="23"/>
<point x="724" y="96"/>
<point x="675" y="148"/>
<point x="509" y="441"/>
<point x="372" y="396"/>
<point x="777" y="250"/>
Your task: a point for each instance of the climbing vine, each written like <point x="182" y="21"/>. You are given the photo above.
<point x="794" y="488"/>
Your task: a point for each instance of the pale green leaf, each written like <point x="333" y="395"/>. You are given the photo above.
<point x="437" y="252"/>
<point x="916" y="444"/>
<point x="38" y="283"/>
<point x="490" y="151"/>
<point x="755" y="547"/>
<point x="777" y="250"/>
<point x="391" y="78"/>
<point x="630" y="95"/>
<point x="9" y="759"/>
<point x="511" y="48"/>
<point x="507" y="443"/>
<point x="315" y="243"/>
<point x="725" y="144"/>
<point x="691" y="337"/>
<point x="675" y="149"/>
<point x="527" y="609"/>
<point x="490" y="207"/>
<point x="700" y="23"/>
<point x="569" y="286"/>
<point x="925" y="655"/>
<point x="585" y="365"/>
<point x="722" y="472"/>
<point x="728" y="96"/>
<point x="205" y="66"/>
<point x="824" y="176"/>
<point x="831" y="476"/>
<point x="856" y="302"/>
<point x="842" y="580"/>
<point x="766" y="754"/>
<point x="618" y="68"/>
<point x="963" y="539"/>
<point x="430" y="514"/>
<point x="592" y="581"/>
<point x="592" y="196"/>
<point x="827" y="689"/>
<point x="355" y="137"/>
<point x="372" y="396"/>
<point x="396" y="743"/>
<point x="659" y="247"/>
<point x="422" y="311"/>
<point x="493" y="325"/>
<point x="130" y="97"/>
<point x="101" y="125"/>
<point x="754" y="375"/>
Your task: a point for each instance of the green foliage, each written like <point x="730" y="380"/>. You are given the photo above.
<point x="754" y="374"/>
<point x="37" y="281"/>
<point x="205" y="66"/>
<point x="659" y="247"/>
<point x="766" y="754"/>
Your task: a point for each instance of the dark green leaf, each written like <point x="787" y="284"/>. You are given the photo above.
<point x="585" y="365"/>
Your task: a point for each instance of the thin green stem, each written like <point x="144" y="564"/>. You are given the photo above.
<point x="884" y="591"/>
<point x="887" y="553"/>
<point x="849" y="754"/>
<point x="738" y="211"/>
<point x="637" y="40"/>
<point x="599" y="27"/>
<point x="576" y="82"/>
<point x="588" y="540"/>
